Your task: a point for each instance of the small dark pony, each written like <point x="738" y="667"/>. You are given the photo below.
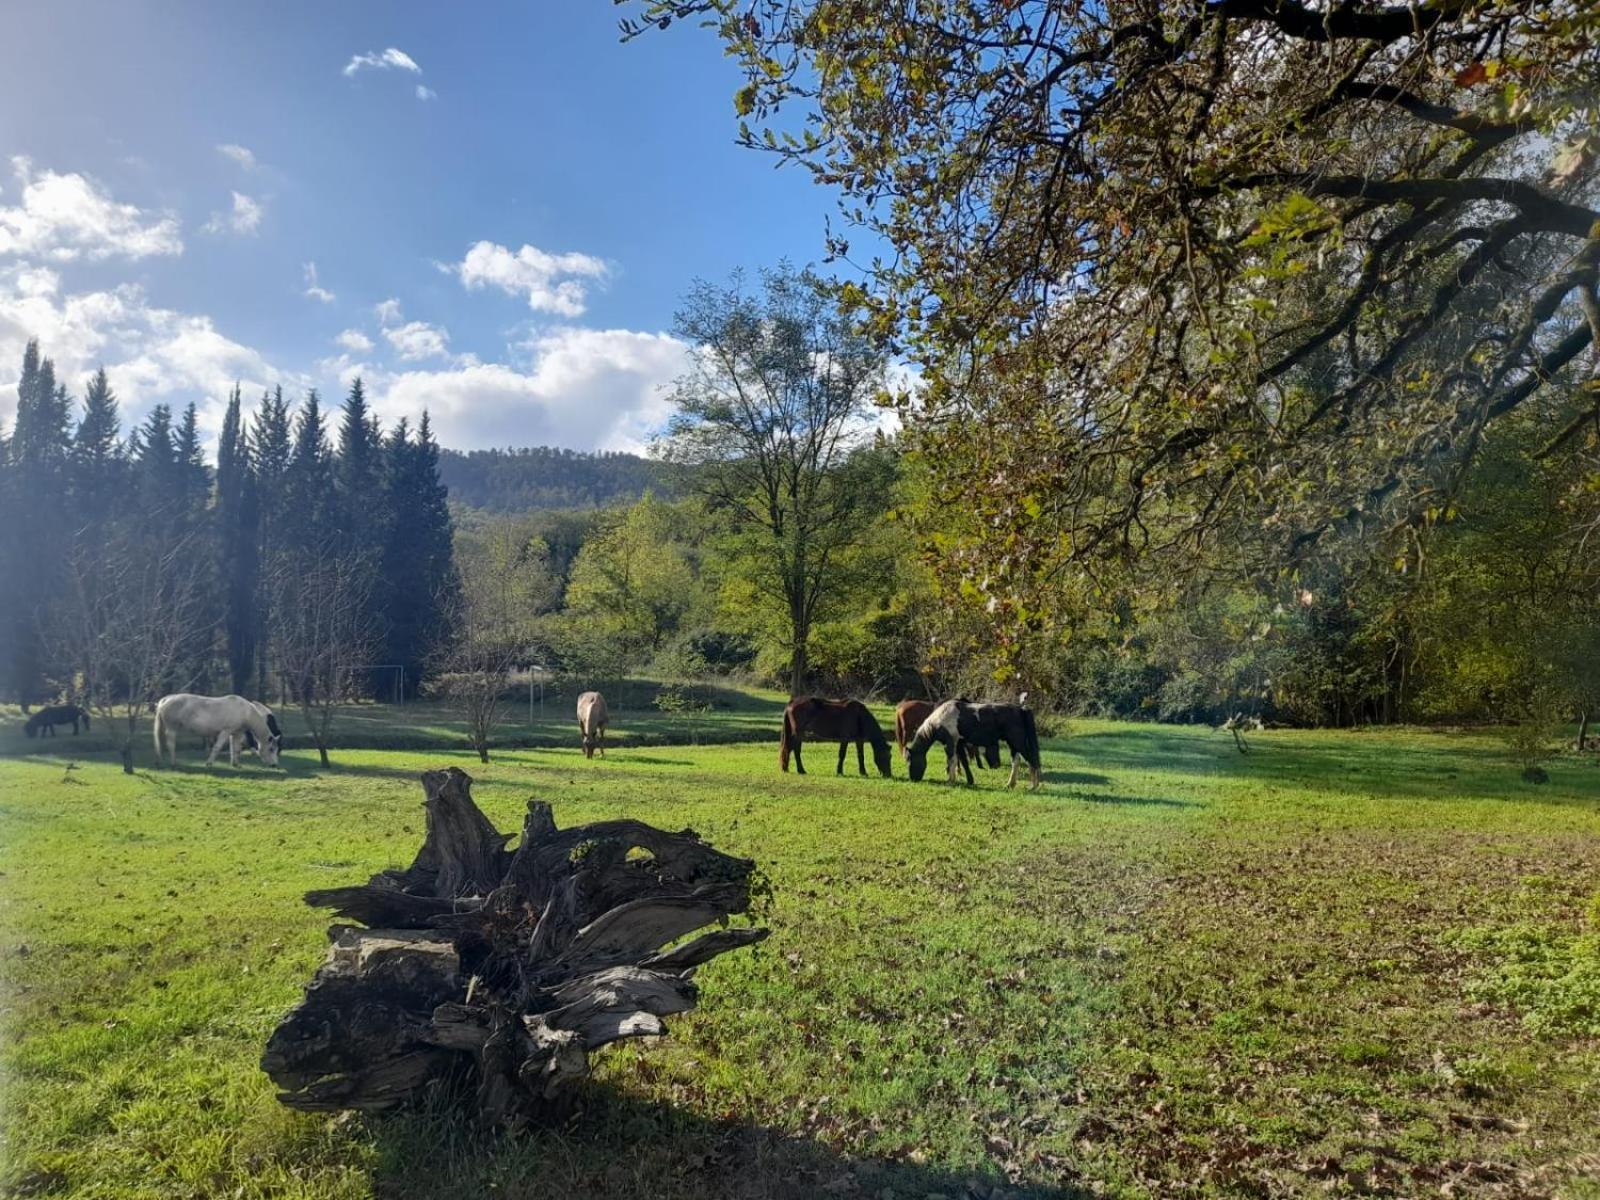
<point x="959" y="724"/>
<point x="843" y="720"/>
<point x="46" y="720"/>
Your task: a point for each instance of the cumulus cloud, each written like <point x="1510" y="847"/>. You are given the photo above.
<point x="315" y="290"/>
<point x="69" y="217"/>
<point x="388" y="311"/>
<point x="354" y="341"/>
<point x="239" y="154"/>
<point x="585" y="388"/>
<point x="244" y="218"/>
<point x="151" y="353"/>
<point x="426" y="93"/>
<point x="552" y="283"/>
<point x="382" y="60"/>
<point x="417" y="340"/>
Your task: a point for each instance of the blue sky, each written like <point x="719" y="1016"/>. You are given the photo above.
<point x="502" y="203"/>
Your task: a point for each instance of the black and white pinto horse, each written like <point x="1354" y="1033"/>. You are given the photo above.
<point x="966" y="729"/>
<point x="230" y="719"/>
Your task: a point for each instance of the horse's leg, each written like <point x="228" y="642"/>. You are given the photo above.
<point x="844" y="748"/>
<point x="1012" y="782"/>
<point x="233" y="750"/>
<point x="799" y="765"/>
<point x="861" y="757"/>
<point x="215" y="747"/>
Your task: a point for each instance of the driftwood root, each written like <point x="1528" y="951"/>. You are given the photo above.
<point x="508" y="967"/>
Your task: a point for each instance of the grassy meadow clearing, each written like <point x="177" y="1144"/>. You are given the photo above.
<point x="1347" y="963"/>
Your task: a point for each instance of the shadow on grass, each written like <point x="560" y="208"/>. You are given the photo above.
<point x="1084" y="777"/>
<point x="1380" y="765"/>
<point x="1109" y="798"/>
<point x="618" y="1147"/>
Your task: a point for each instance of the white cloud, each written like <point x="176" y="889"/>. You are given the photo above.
<point x="245" y="217"/>
<point x="426" y="93"/>
<point x="38" y="281"/>
<point x="315" y="290"/>
<point x="239" y="154"/>
<point x="152" y="354"/>
<point x="67" y="217"/>
<point x="552" y="282"/>
<point x="383" y="60"/>
<point x="417" y="340"/>
<point x="584" y="388"/>
<point x="388" y="311"/>
<point x="354" y="341"/>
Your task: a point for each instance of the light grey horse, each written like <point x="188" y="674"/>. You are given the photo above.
<point x="225" y="718"/>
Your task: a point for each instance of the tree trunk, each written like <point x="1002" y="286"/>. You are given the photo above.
<point x="127" y="757"/>
<point x="508" y="968"/>
<point x="798" y="665"/>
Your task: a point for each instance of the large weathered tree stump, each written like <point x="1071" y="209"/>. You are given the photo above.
<point x="511" y="966"/>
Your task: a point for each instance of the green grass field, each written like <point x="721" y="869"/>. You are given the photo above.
<point x="1349" y="963"/>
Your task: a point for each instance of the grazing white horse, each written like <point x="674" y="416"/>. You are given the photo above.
<point x="225" y="718"/>
<point x="592" y="719"/>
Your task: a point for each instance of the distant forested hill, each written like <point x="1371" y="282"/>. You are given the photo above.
<point x="548" y="477"/>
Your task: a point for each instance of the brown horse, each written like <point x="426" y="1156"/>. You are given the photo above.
<point x="845" y="720"/>
<point x="908" y="715"/>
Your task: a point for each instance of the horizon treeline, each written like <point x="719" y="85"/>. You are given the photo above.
<point x="296" y="492"/>
<point x="544" y="477"/>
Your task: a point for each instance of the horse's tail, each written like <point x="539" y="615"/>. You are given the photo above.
<point x="157" y="730"/>
<point x="1030" y="745"/>
<point x="785" y="740"/>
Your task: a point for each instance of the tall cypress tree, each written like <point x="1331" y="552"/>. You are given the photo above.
<point x="40" y="442"/>
<point x="273" y="445"/>
<point x="238" y="528"/>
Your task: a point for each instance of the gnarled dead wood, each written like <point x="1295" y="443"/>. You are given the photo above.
<point x="510" y="965"/>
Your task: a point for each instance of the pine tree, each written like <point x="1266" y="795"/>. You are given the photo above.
<point x="194" y="478"/>
<point x="97" y="460"/>
<point x="155" y="465"/>
<point x="418" y="574"/>
<point x="310" y="499"/>
<point x="360" y="474"/>
<point x="238" y="528"/>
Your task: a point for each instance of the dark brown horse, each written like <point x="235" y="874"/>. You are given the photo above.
<point x="844" y="721"/>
